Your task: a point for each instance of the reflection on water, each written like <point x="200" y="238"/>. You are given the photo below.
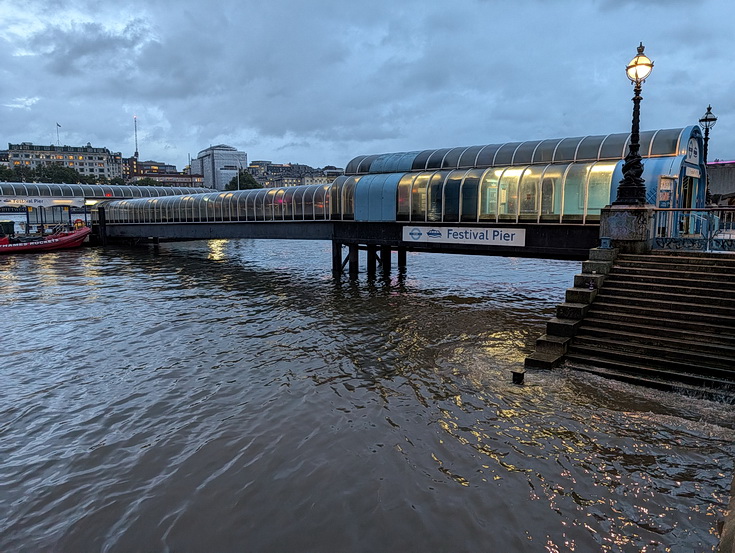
<point x="229" y="396"/>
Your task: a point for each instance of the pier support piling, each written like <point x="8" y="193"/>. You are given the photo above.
<point x="385" y="259"/>
<point x="372" y="260"/>
<point x="336" y="259"/>
<point x="102" y="226"/>
<point x="354" y="259"/>
<point x="401" y="259"/>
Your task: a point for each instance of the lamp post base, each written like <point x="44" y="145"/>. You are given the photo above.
<point x="629" y="227"/>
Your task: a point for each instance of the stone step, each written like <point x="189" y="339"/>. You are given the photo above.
<point x="689" y="254"/>
<point x="665" y="320"/>
<point x="688" y="342"/>
<point x="674" y="264"/>
<point x="655" y="320"/>
<point x="651" y="366"/>
<point x="542" y="360"/>
<point x="689" y="333"/>
<point x="724" y="394"/>
<point x="671" y="354"/>
<point x="674" y="272"/>
<point x="663" y="313"/>
<point x="645" y="300"/>
<point x="666" y="278"/>
<point x="616" y="283"/>
<point x="691" y="258"/>
<point x="658" y="293"/>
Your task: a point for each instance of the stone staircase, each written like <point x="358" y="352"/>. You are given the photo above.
<point x="660" y="320"/>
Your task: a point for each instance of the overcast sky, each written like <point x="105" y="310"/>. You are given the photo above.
<point x="322" y="81"/>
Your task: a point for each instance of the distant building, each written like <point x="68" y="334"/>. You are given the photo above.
<point x="721" y="178"/>
<point x="259" y="168"/>
<point x="219" y="165"/>
<point x="280" y="180"/>
<point x="135" y="170"/>
<point x="273" y="175"/>
<point x="171" y="179"/>
<point x="156" y="167"/>
<point x="86" y="160"/>
<point x="316" y="179"/>
<point x="333" y="172"/>
<point x="4" y="158"/>
<point x="132" y="168"/>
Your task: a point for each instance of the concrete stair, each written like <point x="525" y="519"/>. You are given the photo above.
<point x="552" y="346"/>
<point x="662" y="320"/>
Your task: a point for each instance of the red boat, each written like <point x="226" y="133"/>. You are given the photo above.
<point x="56" y="241"/>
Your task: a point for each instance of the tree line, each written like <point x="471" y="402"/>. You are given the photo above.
<point x="244" y="181"/>
<point x="52" y="173"/>
<point x="61" y="174"/>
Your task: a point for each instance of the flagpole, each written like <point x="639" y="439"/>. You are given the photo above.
<point x="58" y="143"/>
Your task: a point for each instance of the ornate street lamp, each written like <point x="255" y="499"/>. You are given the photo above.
<point x="632" y="190"/>
<point x="707" y="121"/>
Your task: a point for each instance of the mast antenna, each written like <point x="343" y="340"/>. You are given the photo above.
<point x="135" y="123"/>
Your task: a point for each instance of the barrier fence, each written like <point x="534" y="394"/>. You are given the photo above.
<point x="704" y="229"/>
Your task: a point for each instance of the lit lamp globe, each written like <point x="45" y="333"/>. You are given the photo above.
<point x="632" y="189"/>
<point x="640" y="67"/>
<point x="708" y="120"/>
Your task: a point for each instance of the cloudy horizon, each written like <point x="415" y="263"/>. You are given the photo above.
<point x="322" y="82"/>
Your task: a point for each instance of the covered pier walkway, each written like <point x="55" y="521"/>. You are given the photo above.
<point x="539" y="198"/>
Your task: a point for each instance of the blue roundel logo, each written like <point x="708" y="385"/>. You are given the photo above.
<point x="415" y="234"/>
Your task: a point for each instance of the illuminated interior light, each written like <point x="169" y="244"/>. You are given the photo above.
<point x="513" y="172"/>
<point x="602" y="168"/>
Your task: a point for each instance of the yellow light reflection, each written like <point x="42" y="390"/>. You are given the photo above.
<point x="217" y="249"/>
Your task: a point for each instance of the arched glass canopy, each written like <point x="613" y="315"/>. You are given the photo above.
<point x="93" y="191"/>
<point x="567" y="180"/>
<point x="550" y="193"/>
<point x="667" y="142"/>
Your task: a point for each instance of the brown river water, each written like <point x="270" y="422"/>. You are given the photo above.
<point x="229" y="396"/>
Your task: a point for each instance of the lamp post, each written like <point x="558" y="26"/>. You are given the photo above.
<point x="632" y="190"/>
<point x="707" y="121"/>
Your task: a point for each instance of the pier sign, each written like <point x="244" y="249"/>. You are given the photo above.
<point x="467" y="235"/>
<point x="40" y="201"/>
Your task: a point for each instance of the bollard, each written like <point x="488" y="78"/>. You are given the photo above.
<point x="518" y="375"/>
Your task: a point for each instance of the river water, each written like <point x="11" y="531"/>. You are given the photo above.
<point x="229" y="396"/>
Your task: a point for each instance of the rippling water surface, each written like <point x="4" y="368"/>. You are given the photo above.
<point x="229" y="396"/>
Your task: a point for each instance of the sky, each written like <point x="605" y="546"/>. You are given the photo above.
<point x="322" y="81"/>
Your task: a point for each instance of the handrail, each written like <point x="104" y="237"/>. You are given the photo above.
<point x="708" y="209"/>
<point x="700" y="228"/>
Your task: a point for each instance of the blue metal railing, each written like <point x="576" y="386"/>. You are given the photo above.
<point x="703" y="229"/>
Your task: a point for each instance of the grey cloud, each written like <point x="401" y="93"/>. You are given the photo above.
<point x="328" y="79"/>
<point x="90" y="49"/>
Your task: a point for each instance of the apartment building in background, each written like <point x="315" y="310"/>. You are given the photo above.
<point x="86" y="160"/>
<point x="274" y="175"/>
